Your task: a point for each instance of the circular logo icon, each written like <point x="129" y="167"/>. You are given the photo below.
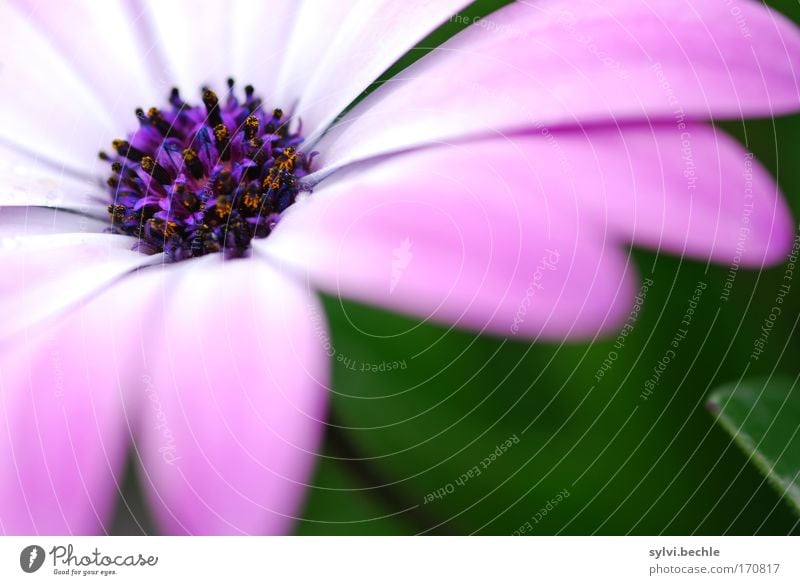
<point x="31" y="558"/>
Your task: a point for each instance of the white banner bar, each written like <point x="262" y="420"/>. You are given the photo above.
<point x="404" y="561"/>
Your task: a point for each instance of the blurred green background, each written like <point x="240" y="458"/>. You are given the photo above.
<point x="593" y="454"/>
<point x="630" y="466"/>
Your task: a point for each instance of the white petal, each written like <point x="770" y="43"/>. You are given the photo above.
<point x="40" y="221"/>
<point x="99" y="41"/>
<point x="340" y="48"/>
<point x="259" y="39"/>
<point x="51" y="273"/>
<point x="196" y="39"/>
<point x="46" y="107"/>
<point x="27" y="181"/>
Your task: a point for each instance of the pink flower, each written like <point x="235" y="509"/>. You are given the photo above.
<point x="494" y="185"/>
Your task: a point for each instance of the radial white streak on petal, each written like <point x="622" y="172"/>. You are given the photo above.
<point x="48" y="274"/>
<point x="39" y="221"/>
<point x="47" y="108"/>
<point x="26" y="181"/>
<point x="99" y="42"/>
<point x="354" y="53"/>
<point x="259" y="34"/>
<point x="195" y="38"/>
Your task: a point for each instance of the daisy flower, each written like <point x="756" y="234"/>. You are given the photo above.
<point x="158" y="301"/>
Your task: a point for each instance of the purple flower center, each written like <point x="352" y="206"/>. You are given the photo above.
<point x="193" y="180"/>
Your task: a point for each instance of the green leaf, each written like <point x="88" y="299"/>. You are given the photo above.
<point x="763" y="416"/>
<point x="336" y="504"/>
<point x="422" y="405"/>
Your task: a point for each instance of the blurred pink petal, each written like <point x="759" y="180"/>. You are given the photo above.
<point x="68" y="397"/>
<point x="560" y="62"/>
<point x="689" y="191"/>
<point x="236" y="402"/>
<point x="462" y="235"/>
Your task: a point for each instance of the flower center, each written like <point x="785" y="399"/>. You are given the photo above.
<point x="193" y="180"/>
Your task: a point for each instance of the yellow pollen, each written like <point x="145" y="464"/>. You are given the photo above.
<point x="251" y="200"/>
<point x="223" y="207"/>
<point x="221" y="132"/>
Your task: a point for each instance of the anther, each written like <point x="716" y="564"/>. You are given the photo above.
<point x="155" y="170"/>
<point x="193" y="163"/>
<point x="117" y="212"/>
<point x="124" y="148"/>
<point x="250" y="127"/>
<point x="275" y="120"/>
<point x="222" y="136"/>
<point x="156" y="118"/>
<point x="223" y="207"/>
<point x="175" y="98"/>
<point x="212" y="107"/>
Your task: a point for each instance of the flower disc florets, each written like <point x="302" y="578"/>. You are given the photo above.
<point x="193" y="180"/>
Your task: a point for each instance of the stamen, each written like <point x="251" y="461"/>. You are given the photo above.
<point x="212" y="107"/>
<point x="221" y="175"/>
<point x="193" y="163"/>
<point x="250" y="128"/>
<point x="175" y="98"/>
<point x="125" y="149"/>
<point x="156" y="118"/>
<point x="222" y="137"/>
<point x="156" y="171"/>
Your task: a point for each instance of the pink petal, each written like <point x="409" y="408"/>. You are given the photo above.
<point x="472" y="236"/>
<point x="47" y="108"/>
<point x="686" y="190"/>
<point x="567" y="62"/>
<point x="24" y="180"/>
<point x="691" y="190"/>
<point x="66" y="404"/>
<point x="237" y="396"/>
<point x="50" y="273"/>
<point x="98" y="41"/>
<point x="339" y="49"/>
